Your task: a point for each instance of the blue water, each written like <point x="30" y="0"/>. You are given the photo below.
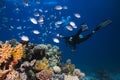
<point x="101" y="51"/>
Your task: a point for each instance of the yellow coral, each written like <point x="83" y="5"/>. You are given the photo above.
<point x="41" y="64"/>
<point x="18" y="52"/>
<point x="5" y="52"/>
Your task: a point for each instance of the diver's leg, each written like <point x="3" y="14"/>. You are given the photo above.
<point x="102" y="25"/>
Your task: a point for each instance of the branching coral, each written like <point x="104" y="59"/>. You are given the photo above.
<point x="5" y="52"/>
<point x="18" y="52"/>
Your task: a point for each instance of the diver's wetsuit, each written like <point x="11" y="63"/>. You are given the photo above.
<point x="76" y="39"/>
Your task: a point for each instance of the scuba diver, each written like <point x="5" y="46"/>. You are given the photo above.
<point x="78" y="38"/>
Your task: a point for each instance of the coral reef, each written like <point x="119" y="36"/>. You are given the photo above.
<point x="27" y="61"/>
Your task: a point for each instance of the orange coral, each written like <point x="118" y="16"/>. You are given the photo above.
<point x="18" y="52"/>
<point x="5" y="52"/>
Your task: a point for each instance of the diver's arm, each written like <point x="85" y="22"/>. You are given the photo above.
<point x="83" y="28"/>
<point x="79" y="32"/>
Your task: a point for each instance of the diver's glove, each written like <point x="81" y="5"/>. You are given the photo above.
<point x="102" y="25"/>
